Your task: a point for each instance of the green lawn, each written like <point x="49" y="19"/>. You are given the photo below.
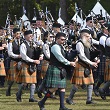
<point x="10" y="103"/>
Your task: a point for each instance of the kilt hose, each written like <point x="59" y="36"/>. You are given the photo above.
<point x="25" y="77"/>
<point x="12" y="72"/>
<point x="53" y="78"/>
<point x="44" y="67"/>
<point x="107" y="70"/>
<point x="78" y="76"/>
<point x="2" y="68"/>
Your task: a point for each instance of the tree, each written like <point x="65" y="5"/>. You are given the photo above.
<point x="63" y="10"/>
<point x="14" y="7"/>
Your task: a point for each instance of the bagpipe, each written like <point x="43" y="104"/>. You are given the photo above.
<point x="71" y="56"/>
<point x="94" y="52"/>
<point x="37" y="52"/>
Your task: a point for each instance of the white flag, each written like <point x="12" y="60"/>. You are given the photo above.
<point x="76" y="8"/>
<point x="24" y="10"/>
<point x="7" y="21"/>
<point x="59" y="12"/>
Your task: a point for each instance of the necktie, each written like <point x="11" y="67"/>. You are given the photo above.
<point x="18" y="42"/>
<point x="30" y="44"/>
<point x="71" y="32"/>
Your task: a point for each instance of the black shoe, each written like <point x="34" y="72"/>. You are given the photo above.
<point x="64" y="108"/>
<point x="18" y="98"/>
<point x="8" y="93"/>
<point x="33" y="100"/>
<point x="90" y="102"/>
<point x="70" y="102"/>
<point x="41" y="106"/>
<point x="102" y="94"/>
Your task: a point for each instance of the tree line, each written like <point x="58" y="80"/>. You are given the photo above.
<point x="15" y="7"/>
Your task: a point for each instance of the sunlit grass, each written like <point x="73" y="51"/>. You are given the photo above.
<point x="10" y="103"/>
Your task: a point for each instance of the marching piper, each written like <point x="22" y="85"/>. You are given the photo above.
<point x="79" y="77"/>
<point x="104" y="90"/>
<point x="15" y="57"/>
<point x="28" y="74"/>
<point x="55" y="80"/>
<point x="101" y="67"/>
<point x="48" y="39"/>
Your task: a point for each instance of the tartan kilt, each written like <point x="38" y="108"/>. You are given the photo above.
<point x="78" y="76"/>
<point x="25" y="76"/>
<point x="53" y="79"/>
<point x="2" y="69"/>
<point x="107" y="70"/>
<point x="12" y="72"/>
<point x="44" y="67"/>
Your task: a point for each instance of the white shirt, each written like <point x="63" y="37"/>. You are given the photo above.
<point x="10" y="50"/>
<point x="108" y="42"/>
<point x="23" y="51"/>
<point x="95" y="41"/>
<point x="46" y="51"/>
<point x="102" y="40"/>
<point x="80" y="48"/>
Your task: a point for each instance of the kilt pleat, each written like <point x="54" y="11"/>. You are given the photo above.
<point x="12" y="72"/>
<point x="25" y="77"/>
<point x="53" y="78"/>
<point x="107" y="70"/>
<point x="2" y="69"/>
<point x="78" y="76"/>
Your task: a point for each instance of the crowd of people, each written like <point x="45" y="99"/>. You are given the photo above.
<point x="39" y="58"/>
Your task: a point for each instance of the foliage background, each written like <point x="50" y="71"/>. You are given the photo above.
<point x="14" y="7"/>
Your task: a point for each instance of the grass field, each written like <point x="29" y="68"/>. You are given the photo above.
<point x="10" y="103"/>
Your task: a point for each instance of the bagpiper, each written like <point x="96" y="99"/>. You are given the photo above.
<point x="15" y="57"/>
<point x="28" y="74"/>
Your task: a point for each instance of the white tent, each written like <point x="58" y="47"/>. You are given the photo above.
<point x="77" y="19"/>
<point x="24" y="18"/>
<point x="34" y="18"/>
<point x="97" y="10"/>
<point x="61" y="21"/>
<point x="26" y="21"/>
